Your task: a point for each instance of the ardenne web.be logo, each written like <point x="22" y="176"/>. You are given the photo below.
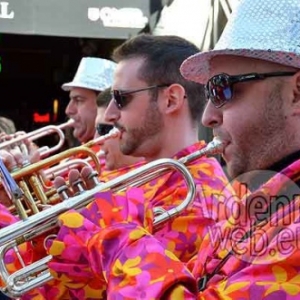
<point x="261" y="227"/>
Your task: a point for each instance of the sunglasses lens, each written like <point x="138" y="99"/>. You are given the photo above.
<point x="219" y="90"/>
<point x="120" y="99"/>
<point x="103" y="129"/>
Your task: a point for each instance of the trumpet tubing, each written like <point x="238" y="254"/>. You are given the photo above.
<point x="63" y="168"/>
<point x="41" y="132"/>
<point x="26" y="279"/>
<point x="33" y="186"/>
<point x="37" y="194"/>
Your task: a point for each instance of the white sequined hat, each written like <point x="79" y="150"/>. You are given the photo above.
<point x="262" y="29"/>
<point x="93" y="73"/>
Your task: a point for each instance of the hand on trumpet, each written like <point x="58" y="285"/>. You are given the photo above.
<point x="15" y="158"/>
<point x="24" y="153"/>
<point x="78" y="182"/>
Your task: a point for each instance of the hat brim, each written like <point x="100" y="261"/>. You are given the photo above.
<point x="68" y="86"/>
<point x="197" y="67"/>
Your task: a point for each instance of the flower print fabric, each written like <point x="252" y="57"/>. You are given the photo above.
<point x="270" y="272"/>
<point x="181" y="236"/>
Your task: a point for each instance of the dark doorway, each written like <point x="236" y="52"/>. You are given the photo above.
<point x="33" y="68"/>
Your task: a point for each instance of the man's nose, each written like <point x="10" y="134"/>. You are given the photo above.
<point x="112" y="113"/>
<point x="71" y="109"/>
<point x="212" y="116"/>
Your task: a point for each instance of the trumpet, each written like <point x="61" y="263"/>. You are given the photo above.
<point x="37" y="274"/>
<point x="64" y="167"/>
<point x="35" y="186"/>
<point x="41" y="132"/>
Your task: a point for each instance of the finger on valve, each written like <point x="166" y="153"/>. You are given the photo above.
<point x="62" y="188"/>
<point x="14" y="136"/>
<point x="24" y="149"/>
<point x="76" y="182"/>
<point x="8" y="160"/>
<point x="33" y="152"/>
<point x="21" y="159"/>
<point x="90" y="177"/>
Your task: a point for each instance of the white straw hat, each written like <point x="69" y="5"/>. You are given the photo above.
<point x="93" y="73"/>
<point x="262" y="29"/>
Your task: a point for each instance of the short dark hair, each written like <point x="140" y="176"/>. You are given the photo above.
<point x="163" y="57"/>
<point x="104" y="98"/>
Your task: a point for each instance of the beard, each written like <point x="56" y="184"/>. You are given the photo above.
<point x="263" y="142"/>
<point x="144" y="140"/>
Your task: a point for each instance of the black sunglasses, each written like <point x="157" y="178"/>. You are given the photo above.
<point x="103" y="129"/>
<point x="120" y="96"/>
<point x="219" y="88"/>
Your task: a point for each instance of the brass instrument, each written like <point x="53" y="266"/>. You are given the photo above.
<point x="38" y="192"/>
<point x="33" y="186"/>
<point x="37" y="273"/>
<point x="41" y="132"/>
<point x="63" y="168"/>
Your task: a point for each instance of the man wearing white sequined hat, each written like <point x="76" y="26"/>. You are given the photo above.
<point x="252" y="80"/>
<point x="257" y="114"/>
<point x="93" y="76"/>
<point x="253" y="88"/>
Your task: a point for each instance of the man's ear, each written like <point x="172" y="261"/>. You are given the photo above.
<point x="296" y="88"/>
<point x="175" y="96"/>
<point x="292" y="95"/>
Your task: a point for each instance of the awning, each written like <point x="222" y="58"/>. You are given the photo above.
<point x="118" y="19"/>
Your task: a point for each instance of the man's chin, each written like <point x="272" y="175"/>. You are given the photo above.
<point x="82" y="137"/>
<point x="239" y="173"/>
<point x="232" y="170"/>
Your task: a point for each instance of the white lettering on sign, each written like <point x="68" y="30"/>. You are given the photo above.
<point x="123" y="17"/>
<point x="4" y="13"/>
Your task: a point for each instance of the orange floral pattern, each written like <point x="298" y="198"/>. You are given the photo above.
<point x="270" y="271"/>
<point x="76" y="278"/>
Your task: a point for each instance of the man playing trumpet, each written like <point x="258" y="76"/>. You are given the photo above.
<point x="156" y="111"/>
<point x="116" y="163"/>
<point x="92" y="77"/>
<point x="253" y="98"/>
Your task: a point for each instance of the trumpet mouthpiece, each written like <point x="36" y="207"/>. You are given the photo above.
<point x="216" y="146"/>
<point x="115" y="130"/>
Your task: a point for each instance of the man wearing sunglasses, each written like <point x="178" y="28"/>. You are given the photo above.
<point x="157" y="113"/>
<point x="252" y="83"/>
<point x="116" y="162"/>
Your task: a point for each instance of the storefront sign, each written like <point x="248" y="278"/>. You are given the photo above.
<point x="5" y="13"/>
<point x="75" y="18"/>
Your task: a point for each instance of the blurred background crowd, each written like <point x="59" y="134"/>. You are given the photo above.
<point x="39" y="53"/>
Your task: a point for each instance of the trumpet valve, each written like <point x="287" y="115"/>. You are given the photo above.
<point x="90" y="177"/>
<point x="76" y="182"/>
<point x="61" y="187"/>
